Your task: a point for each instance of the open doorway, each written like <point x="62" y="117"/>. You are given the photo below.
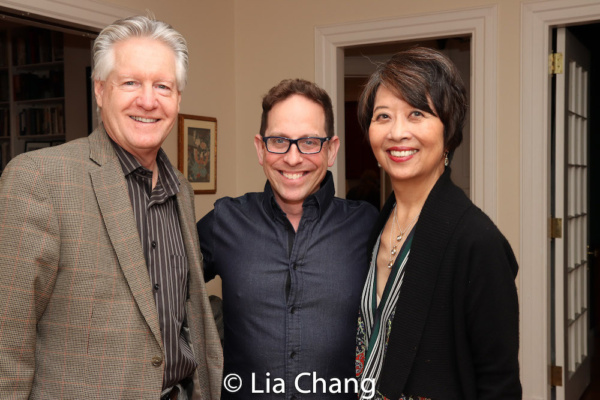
<point x="364" y="179"/>
<point x="586" y="34"/>
<point x="538" y="21"/>
<point x="45" y="92"/>
<point x="479" y="24"/>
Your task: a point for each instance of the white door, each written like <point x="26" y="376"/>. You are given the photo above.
<point x="571" y="298"/>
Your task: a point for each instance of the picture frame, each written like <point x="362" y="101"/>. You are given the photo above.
<point x="31" y="145"/>
<point x="197" y="152"/>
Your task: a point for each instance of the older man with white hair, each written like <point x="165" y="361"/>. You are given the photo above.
<point x="100" y="268"/>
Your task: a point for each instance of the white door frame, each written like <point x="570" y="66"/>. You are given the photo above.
<point x="88" y="13"/>
<point x="537" y="20"/>
<point x="481" y="24"/>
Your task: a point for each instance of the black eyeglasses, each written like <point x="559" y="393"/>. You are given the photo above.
<point x="306" y="145"/>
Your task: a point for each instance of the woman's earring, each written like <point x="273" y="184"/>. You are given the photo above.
<point x="446" y="161"/>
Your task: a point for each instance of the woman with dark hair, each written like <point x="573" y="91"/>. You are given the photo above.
<point x="439" y="311"/>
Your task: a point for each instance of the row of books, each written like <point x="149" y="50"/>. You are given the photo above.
<point x="44" y="120"/>
<point x="35" y="46"/>
<point x="4" y="122"/>
<point x="40" y="85"/>
<point x="4" y="86"/>
<point x="3" y="49"/>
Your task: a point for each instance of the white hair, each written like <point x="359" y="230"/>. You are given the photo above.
<point x="140" y="27"/>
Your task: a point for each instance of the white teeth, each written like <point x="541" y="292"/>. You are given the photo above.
<point x="292" y="176"/>
<point x="140" y="119"/>
<point x="402" y="153"/>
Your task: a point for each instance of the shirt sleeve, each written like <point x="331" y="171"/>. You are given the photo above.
<point x="29" y="256"/>
<point x="205" y="234"/>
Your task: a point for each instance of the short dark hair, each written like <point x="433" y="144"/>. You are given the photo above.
<point x="289" y="87"/>
<point x="418" y="75"/>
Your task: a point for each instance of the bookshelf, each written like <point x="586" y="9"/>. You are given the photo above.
<point x="35" y="100"/>
<point x="5" y="105"/>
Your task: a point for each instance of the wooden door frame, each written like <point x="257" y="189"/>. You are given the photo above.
<point x="537" y="21"/>
<point x="87" y="13"/>
<point x="481" y="24"/>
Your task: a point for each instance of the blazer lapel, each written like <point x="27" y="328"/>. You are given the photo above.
<point x="112" y="195"/>
<point x="426" y="255"/>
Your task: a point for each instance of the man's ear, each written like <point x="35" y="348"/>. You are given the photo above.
<point x="98" y="90"/>
<point x="260" y="148"/>
<point x="332" y="149"/>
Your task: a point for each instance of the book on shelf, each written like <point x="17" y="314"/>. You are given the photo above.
<point x="57" y="48"/>
<point x="4" y="96"/>
<point x="43" y="120"/>
<point x="4" y="122"/>
<point x="36" y="46"/>
<point x="37" y="85"/>
<point x="3" y="50"/>
<point x="4" y="154"/>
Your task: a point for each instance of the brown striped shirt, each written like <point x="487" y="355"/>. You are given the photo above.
<point x="158" y="225"/>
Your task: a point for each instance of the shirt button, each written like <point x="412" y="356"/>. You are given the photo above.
<point x="156" y="286"/>
<point x="293" y="355"/>
<point x="157" y="361"/>
<point x="153" y="244"/>
<point x="295" y="267"/>
<point x="293" y="310"/>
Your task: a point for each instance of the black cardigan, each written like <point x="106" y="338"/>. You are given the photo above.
<point x="455" y="334"/>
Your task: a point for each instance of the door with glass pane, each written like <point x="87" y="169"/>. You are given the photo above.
<point x="571" y="270"/>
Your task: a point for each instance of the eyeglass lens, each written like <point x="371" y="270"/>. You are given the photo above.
<point x="305" y="145"/>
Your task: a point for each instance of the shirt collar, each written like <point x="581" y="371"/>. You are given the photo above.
<point x="321" y="199"/>
<point x="166" y="172"/>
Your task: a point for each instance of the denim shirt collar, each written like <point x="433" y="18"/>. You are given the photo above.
<point x="320" y="200"/>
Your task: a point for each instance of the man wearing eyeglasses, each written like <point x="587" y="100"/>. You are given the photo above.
<point x="292" y="259"/>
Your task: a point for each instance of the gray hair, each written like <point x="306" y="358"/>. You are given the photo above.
<point x="139" y="27"/>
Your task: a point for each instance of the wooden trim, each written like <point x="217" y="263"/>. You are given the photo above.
<point x="481" y="24"/>
<point x="537" y="19"/>
<point x="84" y="13"/>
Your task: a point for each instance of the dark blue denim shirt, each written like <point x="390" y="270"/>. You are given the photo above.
<point x="290" y="299"/>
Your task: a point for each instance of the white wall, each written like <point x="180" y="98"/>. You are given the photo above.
<point x="275" y="40"/>
<point x="240" y="48"/>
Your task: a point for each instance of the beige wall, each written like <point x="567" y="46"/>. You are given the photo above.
<point x="275" y="40"/>
<point x="209" y="29"/>
<point x="240" y="48"/>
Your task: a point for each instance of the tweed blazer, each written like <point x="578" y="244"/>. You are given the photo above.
<point x="77" y="314"/>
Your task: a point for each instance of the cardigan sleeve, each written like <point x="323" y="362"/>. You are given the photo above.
<point x="491" y="311"/>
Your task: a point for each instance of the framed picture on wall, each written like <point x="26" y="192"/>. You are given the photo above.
<point x="197" y="148"/>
